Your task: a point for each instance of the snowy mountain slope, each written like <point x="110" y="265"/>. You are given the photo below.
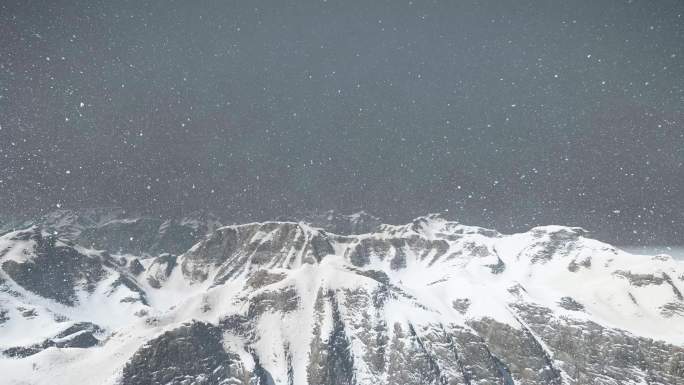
<point x="47" y="286"/>
<point x="429" y="302"/>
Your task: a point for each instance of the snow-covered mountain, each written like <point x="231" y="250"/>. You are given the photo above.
<point x="429" y="302"/>
<point x="119" y="232"/>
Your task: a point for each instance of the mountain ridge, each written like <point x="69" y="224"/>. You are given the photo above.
<point x="430" y="301"/>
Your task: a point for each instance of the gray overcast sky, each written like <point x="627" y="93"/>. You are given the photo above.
<point x="506" y="113"/>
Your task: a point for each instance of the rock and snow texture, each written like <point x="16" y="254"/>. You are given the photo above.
<point x="118" y="232"/>
<point x="429" y="302"/>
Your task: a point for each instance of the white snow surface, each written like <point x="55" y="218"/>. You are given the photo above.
<point x="549" y="263"/>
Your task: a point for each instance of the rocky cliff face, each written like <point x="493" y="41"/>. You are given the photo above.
<point x="429" y="302"/>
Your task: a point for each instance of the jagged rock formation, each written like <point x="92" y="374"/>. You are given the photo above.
<point x="429" y="302"/>
<point x="338" y="223"/>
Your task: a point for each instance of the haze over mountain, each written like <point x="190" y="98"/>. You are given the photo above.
<point x="177" y="178"/>
<point x="506" y="114"/>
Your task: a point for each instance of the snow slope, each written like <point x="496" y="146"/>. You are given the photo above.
<point x="431" y="301"/>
